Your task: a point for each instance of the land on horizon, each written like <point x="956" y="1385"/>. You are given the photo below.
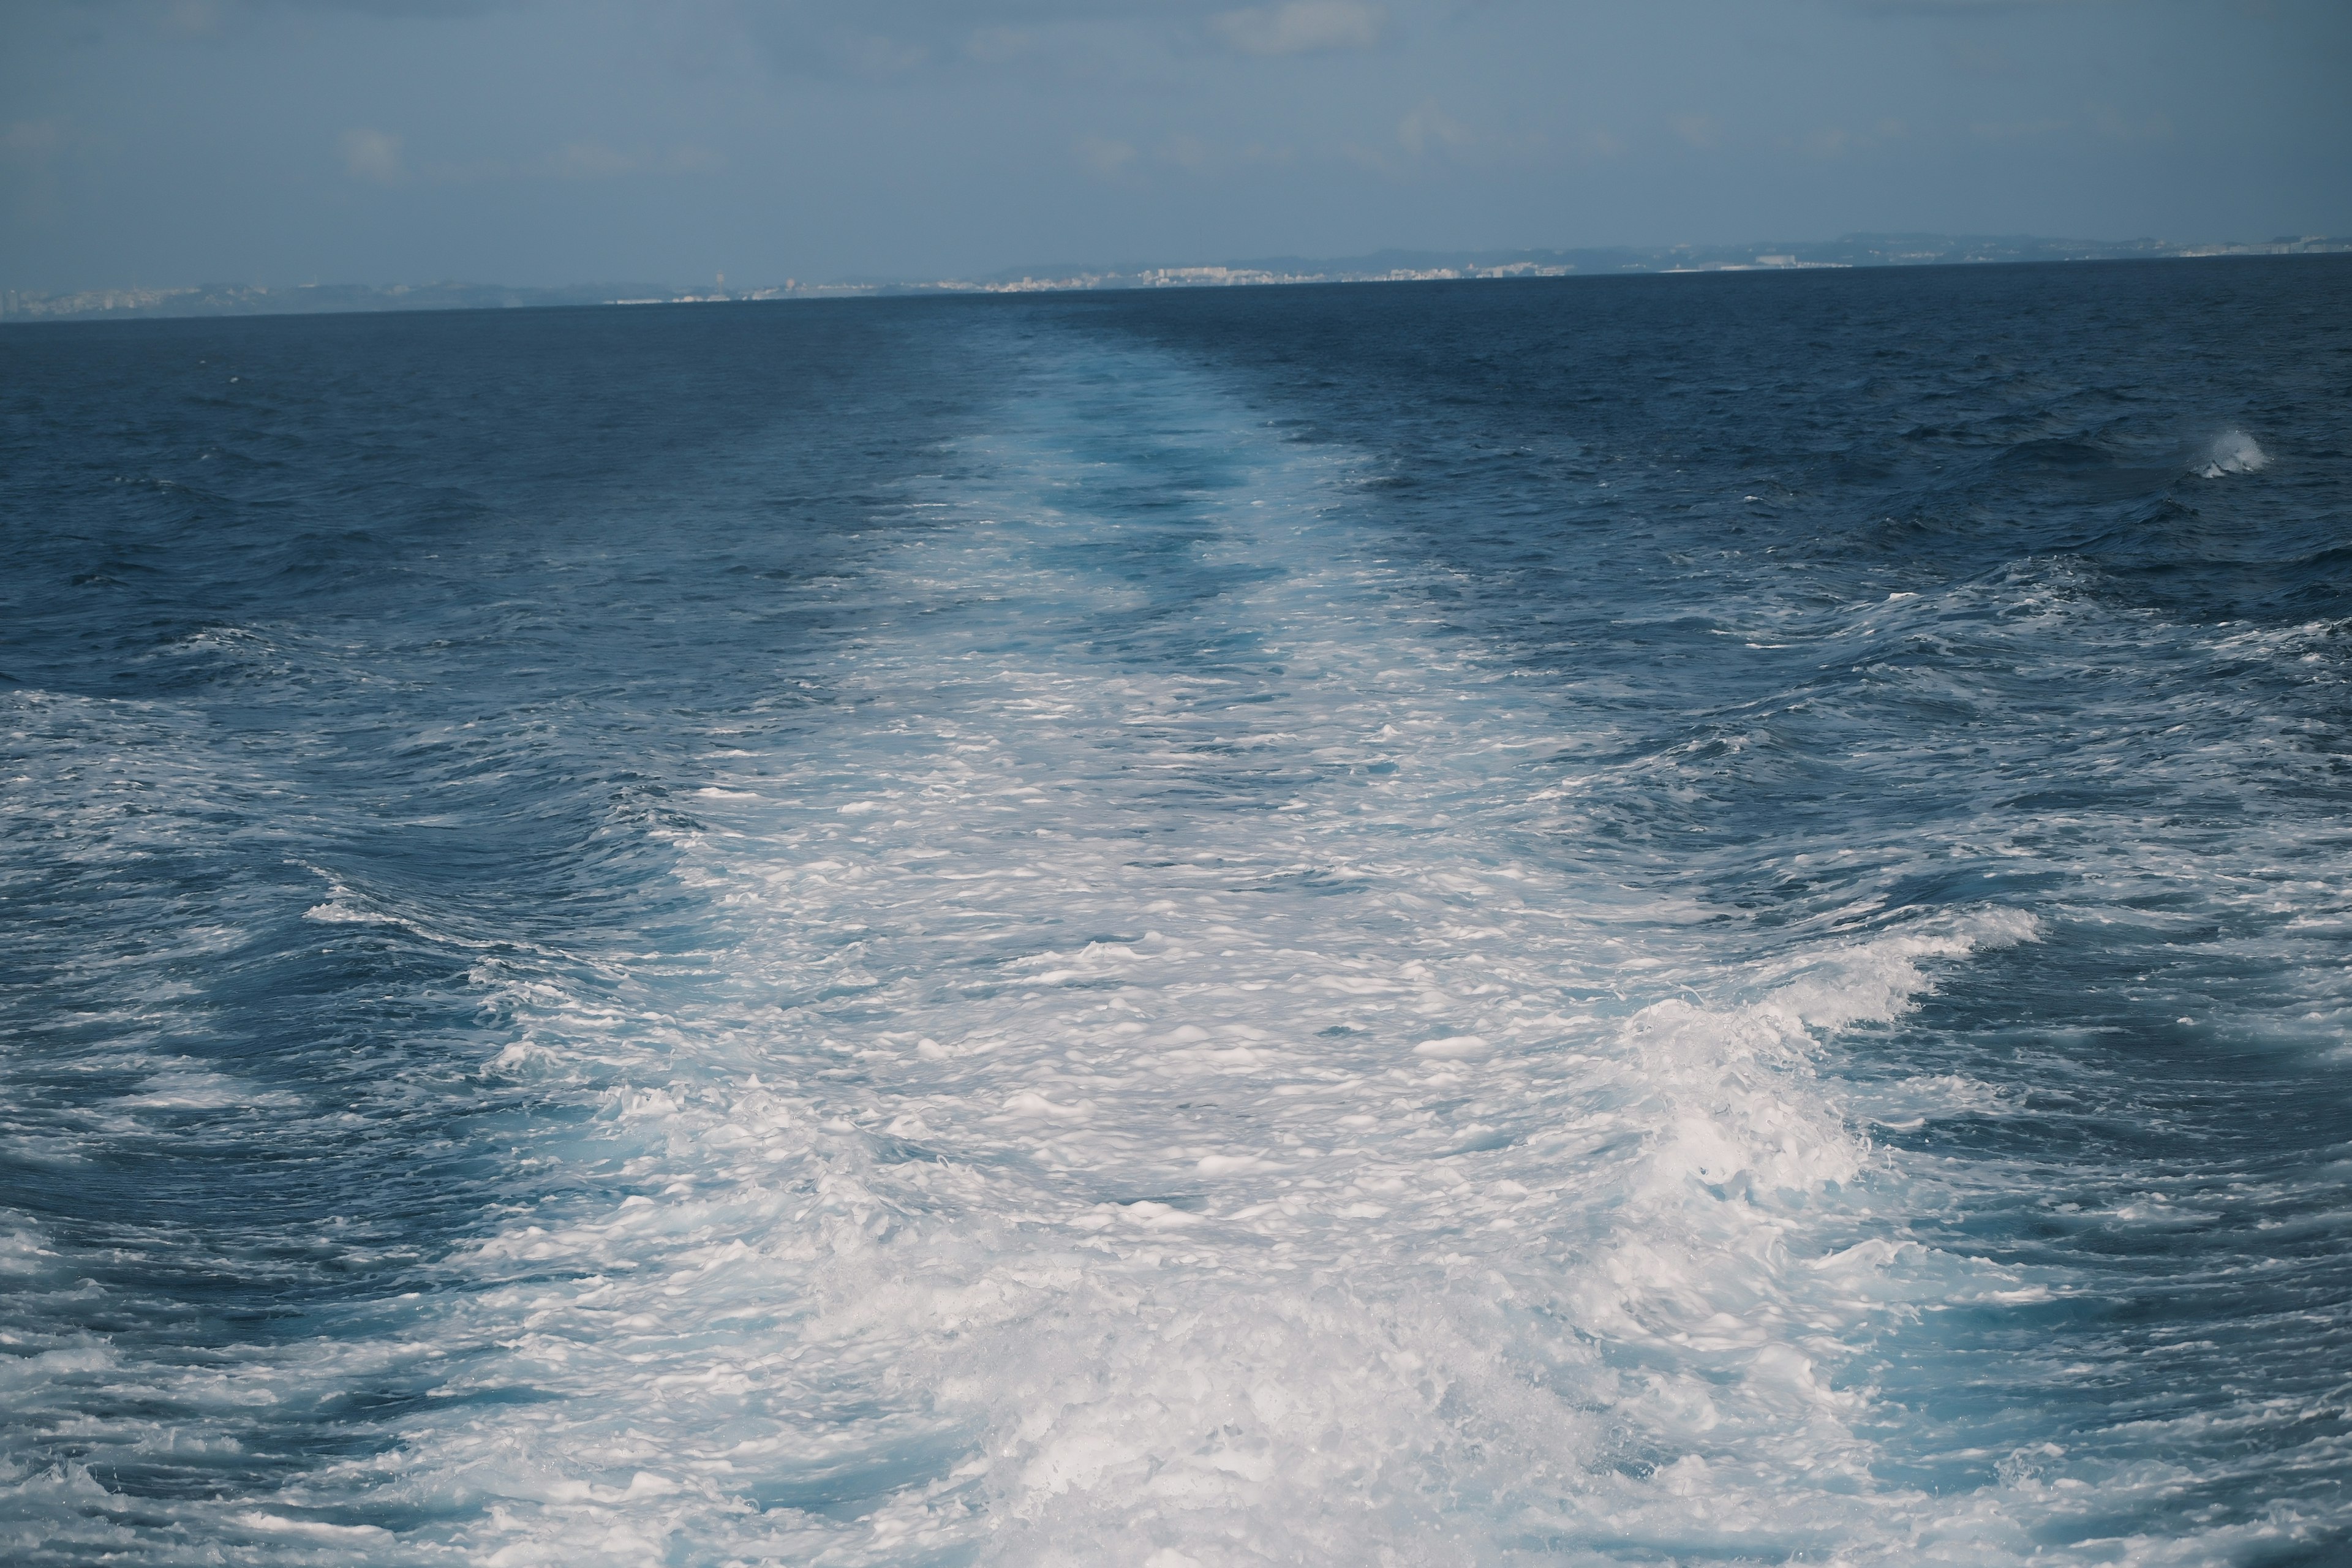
<point x="1853" y="251"/>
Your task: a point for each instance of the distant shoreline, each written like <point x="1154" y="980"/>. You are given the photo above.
<point x="1851" y="251"/>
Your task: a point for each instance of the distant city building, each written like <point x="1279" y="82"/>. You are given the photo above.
<point x="1853" y="251"/>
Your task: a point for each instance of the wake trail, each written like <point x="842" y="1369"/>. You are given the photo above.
<point x="1152" y="1088"/>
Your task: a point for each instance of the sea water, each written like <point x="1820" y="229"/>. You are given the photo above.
<point x="1613" y="921"/>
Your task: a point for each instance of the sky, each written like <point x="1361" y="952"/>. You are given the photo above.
<point x="163" y="143"/>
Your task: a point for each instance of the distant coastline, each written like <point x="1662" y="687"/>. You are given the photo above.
<point x="1858" y="250"/>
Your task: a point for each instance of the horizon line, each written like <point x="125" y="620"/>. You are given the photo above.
<point x="1848" y="252"/>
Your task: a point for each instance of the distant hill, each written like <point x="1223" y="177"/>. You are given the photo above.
<point x="1386" y="266"/>
<point x="304" y="299"/>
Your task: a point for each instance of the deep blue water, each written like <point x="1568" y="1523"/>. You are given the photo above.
<point x="1651" y="920"/>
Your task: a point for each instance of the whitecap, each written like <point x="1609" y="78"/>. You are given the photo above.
<point x="2231" y="452"/>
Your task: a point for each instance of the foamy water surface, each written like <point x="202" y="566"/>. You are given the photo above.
<point x="1181" y="947"/>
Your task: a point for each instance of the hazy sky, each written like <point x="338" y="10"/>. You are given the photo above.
<point x="538" y="141"/>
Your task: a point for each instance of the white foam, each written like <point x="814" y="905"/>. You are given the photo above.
<point x="1166" y="1072"/>
<point x="1163" y="1109"/>
<point x="2230" y="452"/>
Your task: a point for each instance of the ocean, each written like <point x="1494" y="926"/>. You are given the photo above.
<point x="1664" y="919"/>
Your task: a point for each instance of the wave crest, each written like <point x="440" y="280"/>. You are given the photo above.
<point x="2231" y="452"/>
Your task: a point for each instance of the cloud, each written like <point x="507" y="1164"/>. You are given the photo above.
<point x="897" y="39"/>
<point x="380" y="158"/>
<point x="999" y="46"/>
<point x="594" y="160"/>
<point x="373" y="155"/>
<point x="31" y="142"/>
<point x="1699" y="131"/>
<point x="874" y="40"/>
<point x="208" y="14"/>
<point x="2114" y="124"/>
<point x="2016" y="130"/>
<point x="1103" y="155"/>
<point x="879" y="53"/>
<point x="1187" y="153"/>
<point x="1201" y="155"/>
<point x="1832" y="141"/>
<point x="1300" y="27"/>
<point x="1979" y="59"/>
<point x="222" y="20"/>
<point x="1964" y="8"/>
<point x="1429" y="128"/>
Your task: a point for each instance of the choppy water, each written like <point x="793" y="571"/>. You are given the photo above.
<point x="1648" y="920"/>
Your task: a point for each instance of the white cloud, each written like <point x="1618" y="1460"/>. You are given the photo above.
<point x="1428" y="128"/>
<point x="1301" y="27"/>
<point x="1104" y="155"/>
<point x="997" y="46"/>
<point x="373" y="155"/>
<point x="192" y="18"/>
